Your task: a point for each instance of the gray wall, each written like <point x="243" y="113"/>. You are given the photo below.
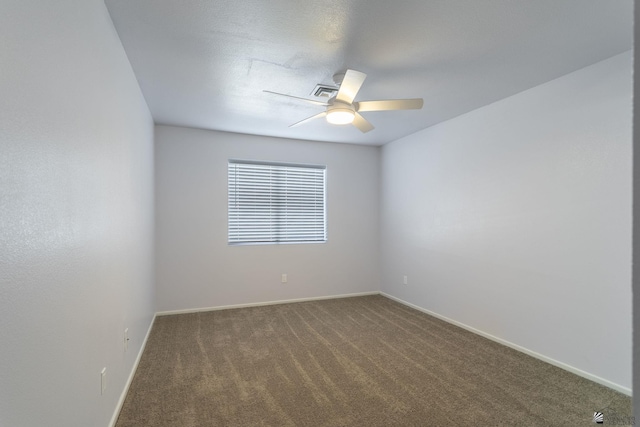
<point x="515" y="220"/>
<point x="195" y="266"/>
<point x="76" y="214"/>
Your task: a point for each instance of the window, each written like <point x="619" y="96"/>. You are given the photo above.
<point x="276" y="203"/>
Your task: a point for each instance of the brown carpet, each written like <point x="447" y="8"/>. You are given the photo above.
<point x="364" y="361"/>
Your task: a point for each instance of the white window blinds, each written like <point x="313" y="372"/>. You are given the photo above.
<point x="276" y="203"/>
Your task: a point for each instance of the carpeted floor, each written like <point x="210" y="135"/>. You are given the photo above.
<point x="364" y="361"/>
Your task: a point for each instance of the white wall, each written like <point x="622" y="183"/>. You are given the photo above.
<point x="76" y="214"/>
<point x="195" y="266"/>
<point x="515" y="219"/>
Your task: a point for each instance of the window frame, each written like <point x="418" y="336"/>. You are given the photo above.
<point x="275" y="239"/>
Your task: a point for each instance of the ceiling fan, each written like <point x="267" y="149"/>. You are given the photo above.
<point x="341" y="109"/>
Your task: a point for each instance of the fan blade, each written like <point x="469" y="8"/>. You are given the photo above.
<point x="324" y="104"/>
<point x="362" y="123"/>
<point x="350" y="86"/>
<point x="390" y="104"/>
<point x="308" y="119"/>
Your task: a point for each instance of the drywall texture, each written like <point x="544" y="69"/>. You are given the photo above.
<point x="196" y="267"/>
<point x="76" y="214"/>
<point x="515" y="219"/>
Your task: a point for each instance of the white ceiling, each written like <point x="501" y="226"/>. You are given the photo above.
<point x="205" y="63"/>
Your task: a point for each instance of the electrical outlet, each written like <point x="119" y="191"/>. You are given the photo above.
<point x="284" y="278"/>
<point x="103" y="380"/>
<point x="126" y="339"/>
<point x="405" y="280"/>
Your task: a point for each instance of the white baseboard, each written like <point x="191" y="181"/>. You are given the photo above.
<point x="258" y="304"/>
<point x="123" y="395"/>
<point x="574" y="370"/>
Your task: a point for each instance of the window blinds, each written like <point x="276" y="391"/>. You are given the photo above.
<point x="276" y="203"/>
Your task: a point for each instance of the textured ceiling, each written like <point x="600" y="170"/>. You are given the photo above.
<point x="205" y="64"/>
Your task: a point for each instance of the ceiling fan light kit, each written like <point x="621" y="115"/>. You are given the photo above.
<point x="340" y="114"/>
<point x="342" y="110"/>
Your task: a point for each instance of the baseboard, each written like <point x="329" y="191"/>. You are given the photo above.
<point x="116" y="413"/>
<point x="258" y="304"/>
<point x="574" y="370"/>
